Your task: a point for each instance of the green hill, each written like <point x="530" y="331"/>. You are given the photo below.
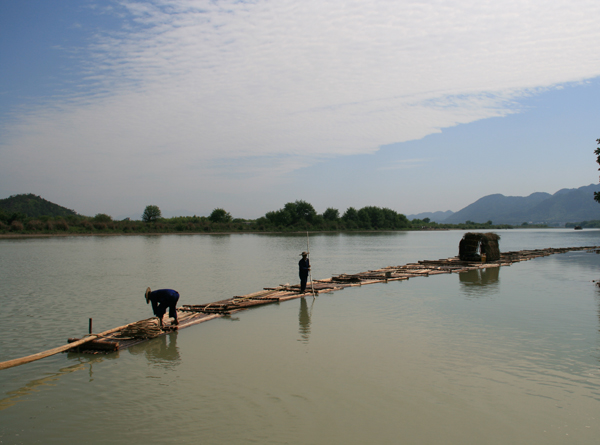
<point x="32" y="206"/>
<point x="566" y="205"/>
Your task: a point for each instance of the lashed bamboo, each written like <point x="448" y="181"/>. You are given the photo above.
<point x="31" y="358"/>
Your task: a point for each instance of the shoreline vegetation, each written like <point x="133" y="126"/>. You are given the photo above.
<point x="31" y="215"/>
<point x="58" y="226"/>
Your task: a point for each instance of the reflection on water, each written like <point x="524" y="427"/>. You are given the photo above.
<point x="48" y="381"/>
<point x="161" y="351"/>
<point x="480" y="282"/>
<point x="304" y="319"/>
<point x="96" y="359"/>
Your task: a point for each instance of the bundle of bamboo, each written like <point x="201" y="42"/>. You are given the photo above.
<point x="142" y="329"/>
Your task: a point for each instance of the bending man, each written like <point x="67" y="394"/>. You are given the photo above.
<point x="161" y="300"/>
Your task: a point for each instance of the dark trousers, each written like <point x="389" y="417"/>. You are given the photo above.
<point x="303" y="280"/>
<point x="172" y="306"/>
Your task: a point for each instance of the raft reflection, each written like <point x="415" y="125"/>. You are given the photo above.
<point x="480" y="282"/>
<point x="50" y="381"/>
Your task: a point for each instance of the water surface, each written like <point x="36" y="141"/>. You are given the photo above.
<point x="507" y="355"/>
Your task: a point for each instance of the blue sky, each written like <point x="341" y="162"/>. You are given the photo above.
<point x="108" y="106"/>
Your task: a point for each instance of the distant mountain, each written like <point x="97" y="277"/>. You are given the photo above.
<point x="566" y="205"/>
<point x="437" y="217"/>
<point x="497" y="208"/>
<point x="33" y="206"/>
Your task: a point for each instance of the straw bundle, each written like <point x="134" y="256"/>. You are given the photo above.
<point x="141" y="329"/>
<point x="472" y="245"/>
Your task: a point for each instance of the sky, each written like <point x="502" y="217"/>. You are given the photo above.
<point x="418" y="106"/>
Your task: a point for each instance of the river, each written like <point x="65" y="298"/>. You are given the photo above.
<point x="505" y="355"/>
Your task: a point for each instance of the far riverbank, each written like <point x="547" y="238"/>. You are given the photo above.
<point x="14" y="235"/>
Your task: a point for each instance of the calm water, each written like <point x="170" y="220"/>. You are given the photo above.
<point x="508" y="355"/>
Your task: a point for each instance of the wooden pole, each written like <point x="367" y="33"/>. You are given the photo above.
<point x="309" y="271"/>
<point x="31" y="358"/>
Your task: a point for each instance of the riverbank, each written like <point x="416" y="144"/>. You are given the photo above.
<point x="15" y="235"/>
<point x="367" y="219"/>
<point x="65" y="235"/>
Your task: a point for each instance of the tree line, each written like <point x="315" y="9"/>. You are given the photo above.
<point x="301" y="215"/>
<point x="292" y="217"/>
<point x="25" y="214"/>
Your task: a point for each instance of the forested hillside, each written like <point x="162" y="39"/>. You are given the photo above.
<point x="566" y="205"/>
<point x="32" y="206"/>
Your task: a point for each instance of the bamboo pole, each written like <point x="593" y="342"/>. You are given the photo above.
<point x="309" y="268"/>
<point x="40" y="355"/>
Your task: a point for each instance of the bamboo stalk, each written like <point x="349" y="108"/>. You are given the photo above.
<point x="309" y="271"/>
<point x="40" y="355"/>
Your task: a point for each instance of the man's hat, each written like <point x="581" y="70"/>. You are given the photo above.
<point x="148" y="295"/>
<point x="304" y="253"/>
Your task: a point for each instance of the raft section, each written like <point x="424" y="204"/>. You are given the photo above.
<point x="134" y="333"/>
<point x="189" y="315"/>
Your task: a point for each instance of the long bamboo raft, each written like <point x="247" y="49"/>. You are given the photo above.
<point x="189" y="315"/>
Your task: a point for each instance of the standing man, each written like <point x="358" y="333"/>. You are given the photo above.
<point x="161" y="300"/>
<point x="304" y="267"/>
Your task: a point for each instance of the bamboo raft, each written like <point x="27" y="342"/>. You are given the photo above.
<point x="189" y="315"/>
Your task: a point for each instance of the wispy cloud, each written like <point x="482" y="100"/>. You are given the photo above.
<point x="194" y="83"/>
<point x="404" y="164"/>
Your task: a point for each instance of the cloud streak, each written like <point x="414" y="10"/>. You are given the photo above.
<point x="187" y="86"/>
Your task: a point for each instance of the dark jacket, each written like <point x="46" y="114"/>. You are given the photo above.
<point x="162" y="299"/>
<point x="303" y="266"/>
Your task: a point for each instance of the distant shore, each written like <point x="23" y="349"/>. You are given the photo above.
<point x="65" y="235"/>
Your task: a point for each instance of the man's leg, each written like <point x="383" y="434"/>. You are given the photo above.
<point x="173" y="314"/>
<point x="161" y="309"/>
